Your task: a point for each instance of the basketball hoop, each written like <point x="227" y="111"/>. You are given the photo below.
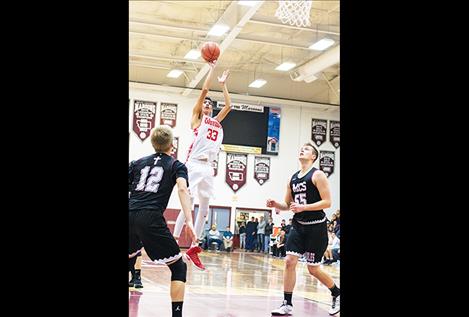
<point x="294" y="12"/>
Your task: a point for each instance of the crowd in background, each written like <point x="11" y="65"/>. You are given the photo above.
<point x="257" y="235"/>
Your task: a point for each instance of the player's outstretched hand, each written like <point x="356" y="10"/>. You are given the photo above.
<point x="224" y="76"/>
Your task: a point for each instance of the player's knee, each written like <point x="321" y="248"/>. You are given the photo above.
<point x="178" y="270"/>
<point x="313" y="269"/>
<point x="290" y="263"/>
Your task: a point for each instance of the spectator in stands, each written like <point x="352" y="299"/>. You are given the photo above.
<point x="279" y="246"/>
<point x="214" y="236"/>
<point x="335" y="248"/>
<point x="228" y="239"/>
<point x="261" y="234"/>
<point x="283" y="225"/>
<point x="269" y="227"/>
<point x="242" y="235"/>
<point x="337" y="223"/>
<point x="250" y="233"/>
<point x="328" y="253"/>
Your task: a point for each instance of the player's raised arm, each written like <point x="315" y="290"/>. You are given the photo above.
<point x="197" y="110"/>
<point x="227" y="108"/>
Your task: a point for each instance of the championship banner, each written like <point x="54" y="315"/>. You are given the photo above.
<point x="143" y="118"/>
<point x="236" y="170"/>
<point x="215" y="165"/>
<point x="168" y="113"/>
<point x="174" y="151"/>
<point x="261" y="169"/>
<point x="326" y="162"/>
<point x="334" y="133"/>
<point x="318" y="131"/>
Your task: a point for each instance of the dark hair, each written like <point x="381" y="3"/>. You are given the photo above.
<point x="209" y="99"/>
<point x="316" y="152"/>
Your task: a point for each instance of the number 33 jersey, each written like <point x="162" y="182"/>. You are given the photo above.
<point x="304" y="192"/>
<point x="207" y="140"/>
<point x="151" y="181"/>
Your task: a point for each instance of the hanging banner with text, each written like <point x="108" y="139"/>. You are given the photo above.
<point x="318" y="131"/>
<point x="143" y="118"/>
<point x="168" y="113"/>
<point x="236" y="170"/>
<point x="261" y="169"/>
<point x="326" y="162"/>
<point x="334" y="133"/>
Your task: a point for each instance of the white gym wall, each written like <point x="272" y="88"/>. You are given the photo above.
<point x="295" y="129"/>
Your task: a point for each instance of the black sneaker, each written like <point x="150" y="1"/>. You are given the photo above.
<point x="131" y="282"/>
<point x="138" y="283"/>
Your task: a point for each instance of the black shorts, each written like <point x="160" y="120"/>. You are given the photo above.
<point x="308" y="240"/>
<point x="148" y="229"/>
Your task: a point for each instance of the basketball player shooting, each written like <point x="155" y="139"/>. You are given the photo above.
<point x="208" y="137"/>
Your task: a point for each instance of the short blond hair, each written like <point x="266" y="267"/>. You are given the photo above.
<point x="162" y="138"/>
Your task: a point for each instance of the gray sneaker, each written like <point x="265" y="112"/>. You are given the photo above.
<point x="335" y="308"/>
<point x="284" y="310"/>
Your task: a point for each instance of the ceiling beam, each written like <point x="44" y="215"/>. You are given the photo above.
<point x="287" y="26"/>
<point x="175" y="37"/>
<point x="231" y="10"/>
<point x="281" y="44"/>
<point x="171" y="27"/>
<point x="253" y="21"/>
<point x="165" y="58"/>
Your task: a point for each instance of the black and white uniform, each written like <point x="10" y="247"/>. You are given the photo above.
<point x="308" y="235"/>
<point x="151" y="182"/>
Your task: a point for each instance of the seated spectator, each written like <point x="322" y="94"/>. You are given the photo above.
<point x="328" y="254"/>
<point x="336" y="222"/>
<point x="335" y="248"/>
<point x="214" y="236"/>
<point x="228" y="240"/>
<point x="279" y="245"/>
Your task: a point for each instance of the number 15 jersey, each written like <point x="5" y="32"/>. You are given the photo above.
<point x="207" y="140"/>
<point x="304" y="192"/>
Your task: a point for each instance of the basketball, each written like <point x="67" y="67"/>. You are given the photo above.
<point x="210" y="51"/>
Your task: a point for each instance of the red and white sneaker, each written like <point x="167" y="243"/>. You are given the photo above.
<point x="191" y="254"/>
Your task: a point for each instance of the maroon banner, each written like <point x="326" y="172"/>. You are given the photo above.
<point x="261" y="169"/>
<point x="215" y="165"/>
<point x="168" y="112"/>
<point x="318" y="131"/>
<point x="334" y="133"/>
<point x="326" y="162"/>
<point x="144" y="118"/>
<point x="236" y="165"/>
<point x="174" y="151"/>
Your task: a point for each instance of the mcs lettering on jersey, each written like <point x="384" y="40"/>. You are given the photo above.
<point x="299" y="187"/>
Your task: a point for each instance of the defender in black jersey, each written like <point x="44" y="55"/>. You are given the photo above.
<point x="151" y="181"/>
<point x="307" y="195"/>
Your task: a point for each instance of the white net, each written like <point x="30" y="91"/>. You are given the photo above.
<point x="294" y="12"/>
